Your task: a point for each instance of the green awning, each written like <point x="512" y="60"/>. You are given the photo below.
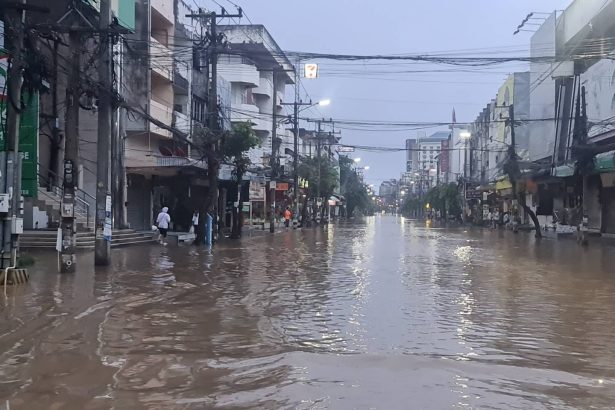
<point x="563" y="171"/>
<point x="605" y="162"/>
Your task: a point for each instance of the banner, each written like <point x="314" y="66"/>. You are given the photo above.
<point x="28" y="133"/>
<point x="257" y="191"/>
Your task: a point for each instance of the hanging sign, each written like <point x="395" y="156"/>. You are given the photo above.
<point x="310" y="71"/>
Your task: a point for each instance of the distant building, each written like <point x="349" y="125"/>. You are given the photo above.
<point x="424" y="159"/>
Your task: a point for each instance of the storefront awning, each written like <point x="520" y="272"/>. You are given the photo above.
<point x="503" y="184"/>
<point x="605" y="162"/>
<point x="563" y="171"/>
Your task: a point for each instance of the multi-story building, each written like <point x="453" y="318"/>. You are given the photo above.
<point x="166" y="88"/>
<point x="479" y="143"/>
<point x="424" y="158"/>
<point x="258" y="73"/>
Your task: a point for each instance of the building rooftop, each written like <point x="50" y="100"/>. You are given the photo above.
<point x="440" y="135"/>
<point x="254" y="42"/>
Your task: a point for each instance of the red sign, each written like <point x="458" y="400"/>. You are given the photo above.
<point x="281" y="186"/>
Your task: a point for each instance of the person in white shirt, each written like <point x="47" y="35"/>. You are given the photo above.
<point x="195" y="221"/>
<point x="163" y="222"/>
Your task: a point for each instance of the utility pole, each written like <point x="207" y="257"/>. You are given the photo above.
<point x="296" y="141"/>
<point x="213" y="121"/>
<point x="465" y="179"/>
<point x="118" y="174"/>
<point x="318" y="148"/>
<point x="68" y="243"/>
<point x="296" y="106"/>
<point x="11" y="161"/>
<point x="512" y="149"/>
<point x="103" y="228"/>
<point x="274" y="154"/>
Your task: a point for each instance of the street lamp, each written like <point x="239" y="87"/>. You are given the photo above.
<point x="366" y="168"/>
<point x="324" y="103"/>
<point x="465" y="135"/>
<point x="357" y="160"/>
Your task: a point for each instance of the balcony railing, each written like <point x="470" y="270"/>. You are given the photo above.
<point x="181" y="122"/>
<point x="161" y="59"/>
<point x="180" y="162"/>
<point x="162" y="113"/>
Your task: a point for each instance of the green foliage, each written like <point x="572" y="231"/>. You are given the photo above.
<point x="329" y="178"/>
<point x="411" y="205"/>
<point x="353" y="189"/>
<point x="25" y="261"/>
<point x="237" y="143"/>
<point x="445" y="198"/>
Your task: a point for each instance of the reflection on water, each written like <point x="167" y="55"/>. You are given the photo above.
<point x="385" y="313"/>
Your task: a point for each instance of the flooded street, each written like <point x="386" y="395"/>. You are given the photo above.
<point x="383" y="313"/>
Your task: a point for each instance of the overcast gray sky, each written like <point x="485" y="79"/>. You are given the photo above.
<point x="393" y="27"/>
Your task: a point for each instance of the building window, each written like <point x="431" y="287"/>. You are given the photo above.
<point x="197" y="63"/>
<point x="199" y="109"/>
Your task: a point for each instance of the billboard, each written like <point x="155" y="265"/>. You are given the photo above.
<point x="257" y="191"/>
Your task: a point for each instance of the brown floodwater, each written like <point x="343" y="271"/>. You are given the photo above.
<point x="382" y="313"/>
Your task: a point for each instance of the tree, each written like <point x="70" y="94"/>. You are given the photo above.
<point x="445" y="198"/>
<point x="411" y="206"/>
<point x="512" y="170"/>
<point x="322" y="178"/>
<point x="236" y="144"/>
<point x="352" y="188"/>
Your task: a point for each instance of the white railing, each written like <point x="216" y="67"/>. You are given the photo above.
<point x="161" y="59"/>
<point x="162" y="113"/>
<point x="180" y="162"/>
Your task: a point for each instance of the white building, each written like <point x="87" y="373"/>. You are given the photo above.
<point x="423" y="158"/>
<point x="255" y="67"/>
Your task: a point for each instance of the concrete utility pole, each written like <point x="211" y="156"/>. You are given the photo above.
<point x="318" y="148"/>
<point x="118" y="174"/>
<point x="10" y="180"/>
<point x="103" y="228"/>
<point x="68" y="244"/>
<point x="296" y="143"/>
<point x="213" y="120"/>
<point x="274" y="153"/>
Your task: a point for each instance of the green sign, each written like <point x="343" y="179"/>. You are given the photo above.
<point x="28" y="141"/>
<point x="28" y="133"/>
<point x="28" y="147"/>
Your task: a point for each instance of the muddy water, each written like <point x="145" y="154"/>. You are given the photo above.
<point x="384" y="314"/>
